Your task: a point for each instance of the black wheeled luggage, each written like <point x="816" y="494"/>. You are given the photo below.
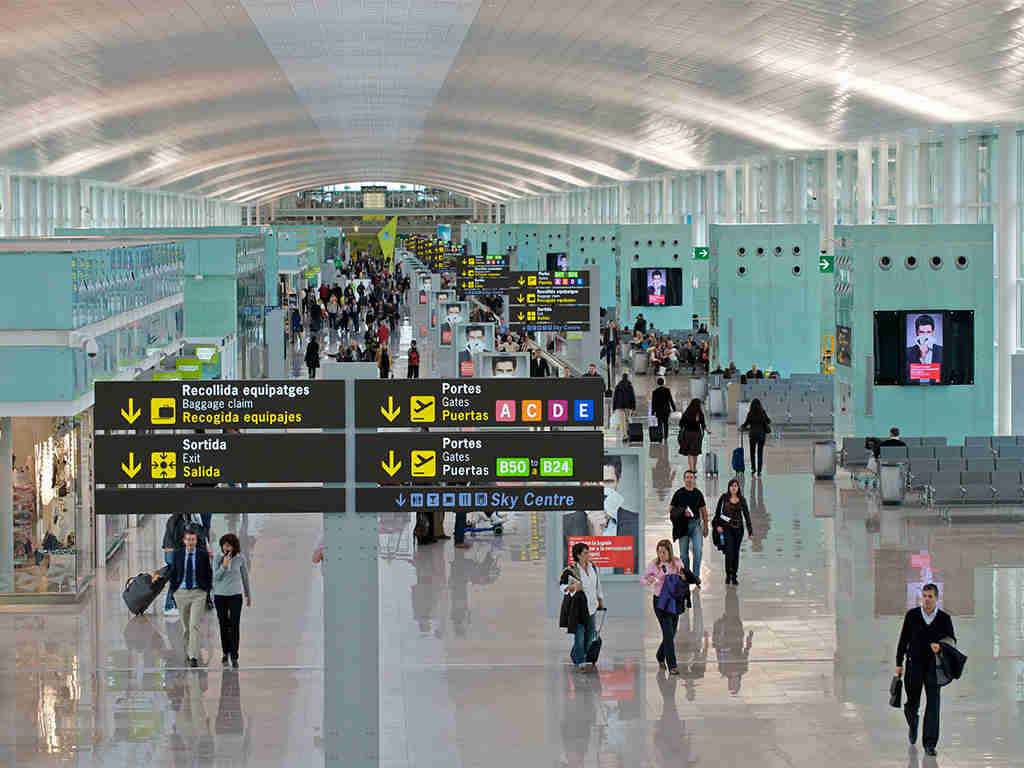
<point x="594" y="651"/>
<point x="140" y="591"/>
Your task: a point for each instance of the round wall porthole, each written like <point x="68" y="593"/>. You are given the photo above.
<point x="778" y="250"/>
<point x="650" y="243"/>
<point x="910" y="262"/>
<point x="935" y="262"/>
<point x="885" y="262"/>
<point x="582" y="238"/>
<point x="742" y="271"/>
<point x="675" y="255"/>
<point x="613" y="238"/>
<point x="796" y="270"/>
<point x="760" y="251"/>
<point x="636" y="243"/>
<point x="796" y="250"/>
<point x="636" y="257"/>
<point x="961" y="262"/>
<point x="662" y="243"/>
<point x="741" y="252"/>
<point x="592" y="238"/>
<point x="675" y="242"/>
<point x="602" y="238"/>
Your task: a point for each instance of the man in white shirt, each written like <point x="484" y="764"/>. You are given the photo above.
<point x="585" y="577"/>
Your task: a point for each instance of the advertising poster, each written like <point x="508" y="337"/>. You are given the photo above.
<point x="505" y="365"/>
<point x="844" y="341"/>
<point x="924" y="347"/>
<point x="656" y="287"/>
<point x="452" y="313"/>
<point x="438" y="299"/>
<point x="471" y="340"/>
<point x="613" y="532"/>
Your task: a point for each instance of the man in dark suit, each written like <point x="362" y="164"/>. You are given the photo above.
<point x="923" y="629"/>
<point x="924" y="350"/>
<point x="662" y="405"/>
<point x="192" y="579"/>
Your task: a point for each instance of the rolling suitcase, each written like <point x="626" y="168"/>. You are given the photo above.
<point x="654" y="433"/>
<point x="140" y="591"/>
<point x="635" y="433"/>
<point x="594" y="651"/>
<point x="738" y="465"/>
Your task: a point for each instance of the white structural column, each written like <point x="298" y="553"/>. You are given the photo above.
<point x="623" y="204"/>
<point x="799" y="190"/>
<point x="970" y="215"/>
<point x="667" y="203"/>
<point x="863" y="183"/>
<point x="1006" y="301"/>
<point x="828" y="199"/>
<point x="902" y="181"/>
<point x="771" y="188"/>
<point x="883" y="182"/>
<point x="950" y="179"/>
<point x="709" y="208"/>
<point x="730" y="195"/>
<point x="749" y="194"/>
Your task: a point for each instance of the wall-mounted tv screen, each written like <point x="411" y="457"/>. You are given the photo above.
<point x="656" y="287"/>
<point x="557" y="262"/>
<point x="924" y="346"/>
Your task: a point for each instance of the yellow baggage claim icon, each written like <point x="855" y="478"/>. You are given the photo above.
<point x="162" y="410"/>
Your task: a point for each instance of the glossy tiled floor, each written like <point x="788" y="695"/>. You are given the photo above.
<point x="790" y="669"/>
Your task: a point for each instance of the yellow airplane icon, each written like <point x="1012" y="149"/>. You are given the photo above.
<point x="424" y="463"/>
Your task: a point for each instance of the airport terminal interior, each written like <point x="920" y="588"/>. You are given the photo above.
<point x="474" y="384"/>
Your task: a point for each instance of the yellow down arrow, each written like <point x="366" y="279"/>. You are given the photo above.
<point x="390" y="466"/>
<point x="132" y="413"/>
<point x="520" y="298"/>
<point x="132" y="469"/>
<point x="391" y="412"/>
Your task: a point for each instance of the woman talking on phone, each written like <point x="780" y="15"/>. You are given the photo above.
<point x="230" y="579"/>
<point x="728" y="524"/>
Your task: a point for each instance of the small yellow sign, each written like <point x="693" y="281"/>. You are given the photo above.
<point x="424" y="463"/>
<point x="163" y="465"/>
<point x="422" y="408"/>
<point x="162" y="410"/>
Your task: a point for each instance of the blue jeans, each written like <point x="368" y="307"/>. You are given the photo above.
<point x="669" y="623"/>
<point x="169" y="602"/>
<point x="585" y="634"/>
<point x="695" y="535"/>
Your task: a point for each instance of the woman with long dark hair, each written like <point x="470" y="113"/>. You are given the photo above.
<point x="691" y="432"/>
<point x="728" y="523"/>
<point x="230" y="581"/>
<point x="663" y="564"/>
<point x="757" y="426"/>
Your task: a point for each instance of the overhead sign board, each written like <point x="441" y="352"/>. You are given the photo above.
<point x="496" y="402"/>
<point x="479" y="456"/>
<point x="549" y="301"/>
<point x="505" y="498"/>
<point x="214" y="458"/>
<point x="248" y="404"/>
<point x="483" y="275"/>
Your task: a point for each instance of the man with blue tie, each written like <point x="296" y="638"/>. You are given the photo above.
<point x="192" y="580"/>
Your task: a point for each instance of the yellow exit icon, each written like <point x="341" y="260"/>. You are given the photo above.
<point x="163" y="465"/>
<point x="422" y="408"/>
<point x="424" y="463"/>
<point x="162" y="410"/>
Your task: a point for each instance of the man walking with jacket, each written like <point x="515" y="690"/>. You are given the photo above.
<point x="623" y="403"/>
<point x="662" y="405"/>
<point x="192" y="579"/>
<point x="923" y="629"/>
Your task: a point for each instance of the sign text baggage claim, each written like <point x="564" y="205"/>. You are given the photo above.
<point x="217" y="404"/>
<point x="459" y="464"/>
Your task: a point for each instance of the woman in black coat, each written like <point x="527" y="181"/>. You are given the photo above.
<point x="691" y="432"/>
<point x="313" y="357"/>
<point x="757" y="425"/>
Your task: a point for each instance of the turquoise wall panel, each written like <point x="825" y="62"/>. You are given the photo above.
<point x="951" y="411"/>
<point x="535" y="241"/>
<point x="36" y="291"/>
<point x="770" y="300"/>
<point x="596" y="245"/>
<point x="210" y="307"/>
<point x="645" y="246"/>
<point x="506" y="236"/>
<point x="36" y="374"/>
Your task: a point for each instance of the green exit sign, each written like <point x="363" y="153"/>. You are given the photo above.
<point x="701" y="253"/>
<point x="826" y="263"/>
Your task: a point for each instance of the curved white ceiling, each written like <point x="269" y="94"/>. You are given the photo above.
<point x="250" y="99"/>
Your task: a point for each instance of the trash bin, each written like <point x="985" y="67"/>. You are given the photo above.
<point x="823" y="459"/>
<point x="892" y="481"/>
<point x="698" y="387"/>
<point x="716" y="404"/>
<point x="638" y="362"/>
<point x="742" y="409"/>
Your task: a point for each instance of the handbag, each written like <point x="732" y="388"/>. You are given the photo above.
<point x="895" y="691"/>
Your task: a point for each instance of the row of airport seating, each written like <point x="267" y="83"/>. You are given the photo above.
<point x="813" y="414"/>
<point x="984" y="470"/>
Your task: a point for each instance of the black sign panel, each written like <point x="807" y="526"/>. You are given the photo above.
<point x="483" y="275"/>
<point x="249" y="404"/>
<point x="494" y="402"/>
<point x="222" y="501"/>
<point x="549" y="301"/>
<point x="199" y="459"/>
<point x="515" y="498"/>
<point x="486" y="457"/>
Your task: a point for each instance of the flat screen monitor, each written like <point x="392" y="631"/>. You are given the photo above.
<point x="656" y="287"/>
<point x="557" y="262"/>
<point x="924" y="347"/>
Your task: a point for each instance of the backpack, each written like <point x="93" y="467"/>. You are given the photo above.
<point x="414" y="357"/>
